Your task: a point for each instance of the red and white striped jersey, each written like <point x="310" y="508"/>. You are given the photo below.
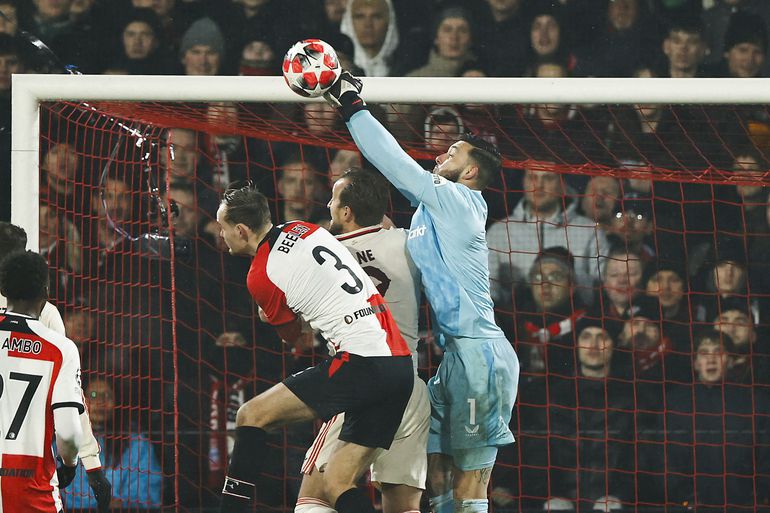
<point x="39" y="372"/>
<point x="300" y="269"/>
<point x="382" y="254"/>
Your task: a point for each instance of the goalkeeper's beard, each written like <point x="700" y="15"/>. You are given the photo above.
<point x="450" y="174"/>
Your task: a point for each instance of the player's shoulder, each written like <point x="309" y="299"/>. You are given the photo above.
<point x="34" y="337"/>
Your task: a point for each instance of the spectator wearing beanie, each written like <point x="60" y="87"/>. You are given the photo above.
<point x="717" y="18"/>
<point x="202" y="49"/>
<point x="745" y="47"/>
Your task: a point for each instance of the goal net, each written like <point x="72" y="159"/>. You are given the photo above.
<point x="628" y="230"/>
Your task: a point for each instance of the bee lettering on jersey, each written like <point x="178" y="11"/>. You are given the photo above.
<point x="289" y="240"/>
<point x="22" y="345"/>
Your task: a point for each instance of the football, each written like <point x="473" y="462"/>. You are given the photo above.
<point x="310" y="67"/>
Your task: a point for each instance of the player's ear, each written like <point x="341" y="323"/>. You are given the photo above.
<point x="243" y="232"/>
<point x="471" y="172"/>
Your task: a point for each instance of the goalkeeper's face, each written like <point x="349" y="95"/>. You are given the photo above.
<point x="451" y="164"/>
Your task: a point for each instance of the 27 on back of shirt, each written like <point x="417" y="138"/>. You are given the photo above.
<point x="39" y="372"/>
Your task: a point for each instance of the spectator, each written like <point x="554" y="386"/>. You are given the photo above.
<point x="561" y="132"/>
<point x="749" y="357"/>
<point x="258" y="59"/>
<point x="321" y="119"/>
<point x="10" y="62"/>
<point x="128" y="457"/>
<point x="141" y="47"/>
<point x="622" y="46"/>
<point x="443" y="126"/>
<point x="713" y="458"/>
<point x="545" y="322"/>
<point x="592" y="421"/>
<point x="724" y="276"/>
<point x="300" y="190"/>
<point x="110" y="222"/>
<point x="542" y="219"/>
<point x="202" y="50"/>
<point x="452" y="43"/>
<point x="503" y="38"/>
<point x="179" y="155"/>
<point x="632" y="226"/>
<point x="371" y="25"/>
<point x="684" y="49"/>
<point x="643" y="358"/>
<point x="621" y="282"/>
<point x="62" y="171"/>
<point x="9" y="21"/>
<point x="750" y="165"/>
<point x="745" y="47"/>
<point x="341" y="162"/>
<point x="60" y="245"/>
<point x="547" y="39"/>
<point x="716" y="21"/>
<point x="601" y="200"/>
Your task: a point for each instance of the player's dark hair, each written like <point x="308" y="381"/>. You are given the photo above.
<point x="486" y="156"/>
<point x="246" y="205"/>
<point x="366" y="193"/>
<point x="12" y="239"/>
<point x="24" y="276"/>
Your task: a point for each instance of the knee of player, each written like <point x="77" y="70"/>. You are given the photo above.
<point x="251" y="414"/>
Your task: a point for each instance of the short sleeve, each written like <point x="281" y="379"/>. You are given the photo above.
<point x="67" y="390"/>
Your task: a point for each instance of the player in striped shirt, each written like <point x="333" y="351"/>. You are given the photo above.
<point x="358" y="203"/>
<point x="301" y="273"/>
<point x="474" y="389"/>
<point x="39" y="392"/>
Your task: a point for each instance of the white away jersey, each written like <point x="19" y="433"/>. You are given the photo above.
<point x="301" y="269"/>
<point x="382" y="254"/>
<point x="39" y="372"/>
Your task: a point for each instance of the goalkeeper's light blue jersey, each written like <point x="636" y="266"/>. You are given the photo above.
<point x="446" y="239"/>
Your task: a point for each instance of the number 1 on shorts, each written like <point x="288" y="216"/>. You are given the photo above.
<point x="472" y="408"/>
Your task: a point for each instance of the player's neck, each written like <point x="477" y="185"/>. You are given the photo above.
<point x="30" y="308"/>
<point x="257" y="238"/>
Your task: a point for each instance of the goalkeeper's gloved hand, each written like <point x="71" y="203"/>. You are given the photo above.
<point x="344" y="95"/>
<point x="102" y="489"/>
<point x="64" y="473"/>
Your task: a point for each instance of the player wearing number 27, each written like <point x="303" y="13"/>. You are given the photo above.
<point x="39" y="392"/>
<point x="474" y="389"/>
<point x="300" y="272"/>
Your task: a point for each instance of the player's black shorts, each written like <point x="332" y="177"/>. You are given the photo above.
<point x="372" y="391"/>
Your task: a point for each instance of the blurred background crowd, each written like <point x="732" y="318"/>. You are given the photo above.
<point x="627" y="269"/>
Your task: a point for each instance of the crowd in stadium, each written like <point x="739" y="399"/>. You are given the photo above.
<point x="640" y="310"/>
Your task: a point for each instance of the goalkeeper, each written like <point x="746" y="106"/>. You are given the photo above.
<point x="474" y="389"/>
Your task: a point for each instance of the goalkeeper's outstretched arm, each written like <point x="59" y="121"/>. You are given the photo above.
<point x="375" y="142"/>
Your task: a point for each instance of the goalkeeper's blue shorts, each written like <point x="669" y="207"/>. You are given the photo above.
<point x="472" y="397"/>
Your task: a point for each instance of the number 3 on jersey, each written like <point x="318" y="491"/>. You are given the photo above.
<point x="357" y="286"/>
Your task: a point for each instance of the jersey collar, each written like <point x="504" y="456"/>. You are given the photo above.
<point x="359" y="232"/>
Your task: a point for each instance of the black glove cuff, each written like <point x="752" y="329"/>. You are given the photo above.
<point x="350" y="104"/>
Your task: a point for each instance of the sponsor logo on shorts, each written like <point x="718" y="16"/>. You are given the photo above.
<point x="473" y="431"/>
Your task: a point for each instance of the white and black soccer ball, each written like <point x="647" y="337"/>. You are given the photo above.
<point x="311" y="67"/>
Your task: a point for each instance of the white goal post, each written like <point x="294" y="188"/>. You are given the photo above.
<point x="28" y="91"/>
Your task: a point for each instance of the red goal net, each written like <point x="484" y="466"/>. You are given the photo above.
<point x="628" y="254"/>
